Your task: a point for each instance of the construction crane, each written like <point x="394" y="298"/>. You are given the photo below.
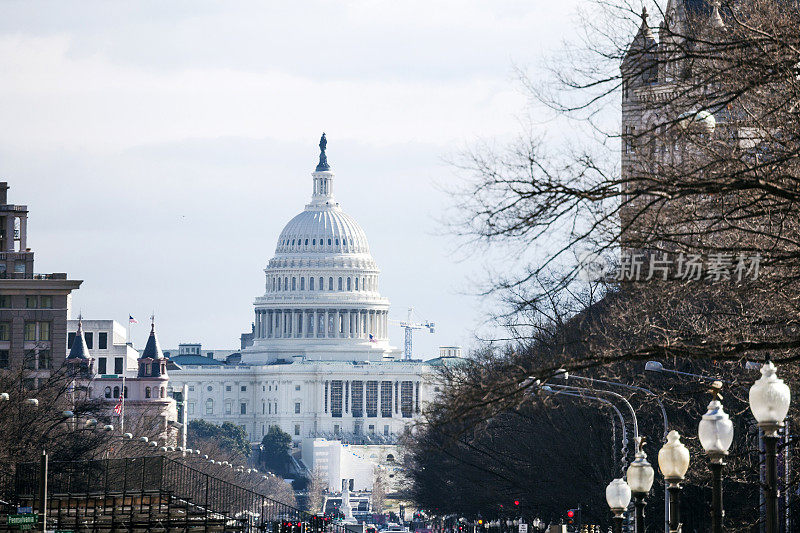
<point x="409" y="326"/>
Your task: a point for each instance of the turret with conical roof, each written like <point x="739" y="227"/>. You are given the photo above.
<point x="639" y="66"/>
<point x="79" y="359"/>
<point x="152" y="362"/>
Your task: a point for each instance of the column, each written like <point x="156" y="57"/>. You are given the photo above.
<point x="9" y="233"/>
<point x="23" y="233"/>
<point x="315" y="327"/>
<point x="325" y="328"/>
<point x="347" y="334"/>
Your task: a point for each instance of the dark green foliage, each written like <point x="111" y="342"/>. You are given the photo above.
<point x="276" y="444"/>
<point x="229" y="437"/>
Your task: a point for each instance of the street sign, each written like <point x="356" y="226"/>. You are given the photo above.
<point x="523" y="528"/>
<point x="23" y="510"/>
<point x="21" y="519"/>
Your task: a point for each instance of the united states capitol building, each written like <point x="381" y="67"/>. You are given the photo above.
<point x="318" y="363"/>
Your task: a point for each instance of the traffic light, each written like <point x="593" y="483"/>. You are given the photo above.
<point x="516" y="503"/>
<point x="574" y="516"/>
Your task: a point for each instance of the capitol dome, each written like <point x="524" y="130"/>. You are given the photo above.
<point x="321" y="300"/>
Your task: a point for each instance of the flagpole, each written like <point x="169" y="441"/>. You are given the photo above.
<point x="122" y="411"/>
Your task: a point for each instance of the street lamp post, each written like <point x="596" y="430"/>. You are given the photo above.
<point x="673" y="460"/>
<point x="716" y="435"/>
<point x="618" y="497"/>
<point x="769" y="402"/>
<point x="640" y="479"/>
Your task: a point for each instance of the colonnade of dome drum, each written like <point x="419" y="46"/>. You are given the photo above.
<point x="368" y="283"/>
<point x="321" y="323"/>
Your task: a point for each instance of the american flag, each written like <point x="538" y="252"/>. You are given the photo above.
<point x="132" y="320"/>
<point x="118" y="407"/>
<point x="372" y="339"/>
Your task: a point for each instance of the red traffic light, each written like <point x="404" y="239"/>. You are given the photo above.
<point x="516" y="502"/>
<point x="571" y="513"/>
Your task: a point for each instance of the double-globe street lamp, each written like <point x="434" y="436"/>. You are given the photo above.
<point x="769" y="402"/>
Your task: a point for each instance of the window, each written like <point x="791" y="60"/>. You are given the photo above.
<point x="330" y="284"/>
<point x="101" y="365"/>
<point x="294" y="284"/>
<point x="107" y="392"/>
<point x="30" y="331"/>
<point x="190" y="408"/>
<point x="116" y="392"/>
<point x="356" y="283"/>
<point x="3" y="358"/>
<point x="5" y="331"/>
<point x="270" y="408"/>
<point x="390" y="458"/>
<point x="371" y="426"/>
<point x="209" y="388"/>
<point x="311" y="284"/>
<point x="326" y="396"/>
<point x="228" y="408"/>
<point x="125" y="391"/>
<point x="44" y="331"/>
<point x="386" y="399"/>
<point x="227" y="388"/>
<point x="357" y="399"/>
<point x="357" y="428"/>
<point x="118" y="365"/>
<point x="321" y="284"/>
<point x="302" y="284"/>
<point x="242" y="408"/>
<point x="416" y="398"/>
<point x="244" y="388"/>
<point x="336" y="429"/>
<point x="89" y="336"/>
<point x="386" y="430"/>
<point x="46" y="302"/>
<point x="102" y="340"/>
<point x="45" y="360"/>
<point x="336" y="398"/>
<point x="372" y="399"/>
<point x="297" y="387"/>
<point x="297" y="408"/>
<point x="147" y="392"/>
<point x="340" y="284"/>
<point x="297" y="429"/>
<point x="191" y="388"/>
<point x="31" y="302"/>
<point x="5" y="300"/>
<point x="209" y="406"/>
<point x="406" y="398"/>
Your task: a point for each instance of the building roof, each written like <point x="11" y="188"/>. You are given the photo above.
<point x="195" y="360"/>
<point x="446" y="360"/>
<point x="152" y="349"/>
<point x="79" y="349"/>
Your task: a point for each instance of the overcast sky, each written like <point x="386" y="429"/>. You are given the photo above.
<point x="162" y="146"/>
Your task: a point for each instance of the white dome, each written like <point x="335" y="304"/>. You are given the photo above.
<point x="322" y="229"/>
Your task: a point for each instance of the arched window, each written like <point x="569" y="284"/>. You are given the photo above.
<point x="294" y="284"/>
<point x="273" y="283"/>
<point x="116" y="392"/>
<point x="108" y="392"/>
<point x="356" y="283"/>
<point x="330" y="284"/>
<point x="348" y="285"/>
<point x="306" y="242"/>
<point x="292" y="242"/>
<point x="209" y="406"/>
<point x="302" y="284"/>
<point x="147" y="392"/>
<point x="311" y="283"/>
<point x="390" y="458"/>
<point x="286" y="283"/>
<point x="313" y="242"/>
<point x="125" y="391"/>
<point x="279" y="284"/>
<point x="321" y="284"/>
<point x="340" y="284"/>
<point x="329" y="242"/>
<point x="337" y="242"/>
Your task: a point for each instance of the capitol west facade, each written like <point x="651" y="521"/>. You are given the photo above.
<point x="320" y="366"/>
